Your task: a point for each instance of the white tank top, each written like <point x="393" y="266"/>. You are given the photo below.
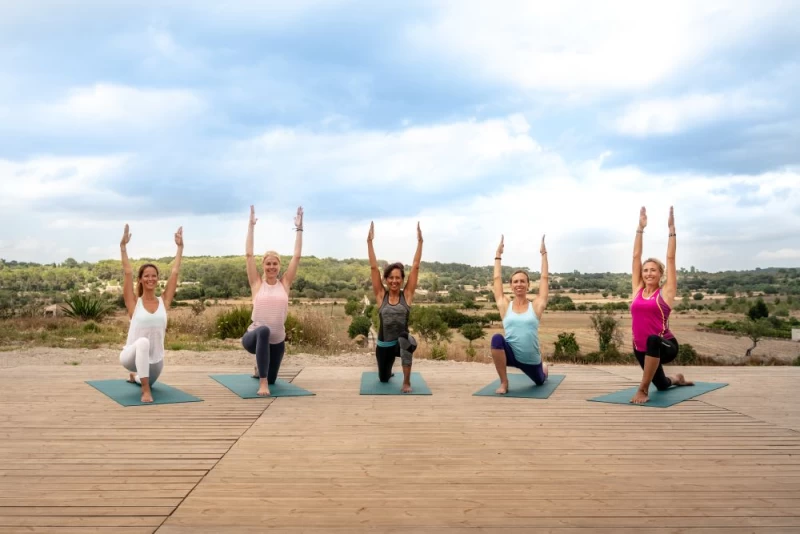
<point x="151" y="326"/>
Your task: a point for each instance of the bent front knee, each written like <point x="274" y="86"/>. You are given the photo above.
<point x="263" y="332"/>
<point x="498" y="342"/>
<point x="142" y="344"/>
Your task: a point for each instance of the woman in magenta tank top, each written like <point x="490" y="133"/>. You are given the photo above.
<point x="653" y="343"/>
<point x="266" y="335"/>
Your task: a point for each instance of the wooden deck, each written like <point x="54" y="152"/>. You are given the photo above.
<point x="72" y="460"/>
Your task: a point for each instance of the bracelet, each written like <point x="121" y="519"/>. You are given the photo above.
<point x="673" y="235"/>
<point x="639" y="231"/>
<point x="298" y="229"/>
<point x="498" y="258"/>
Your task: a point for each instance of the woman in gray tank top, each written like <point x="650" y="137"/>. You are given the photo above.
<point x="394" y="309"/>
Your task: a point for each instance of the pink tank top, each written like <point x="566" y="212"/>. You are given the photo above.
<point x="270" y="308"/>
<point x="649" y="317"/>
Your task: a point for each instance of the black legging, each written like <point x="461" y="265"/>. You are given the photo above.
<point x="385" y="357"/>
<point x="665" y="350"/>
<point x="268" y="356"/>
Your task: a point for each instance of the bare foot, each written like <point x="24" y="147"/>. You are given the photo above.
<point x="132" y="378"/>
<point x="503" y="389"/>
<point x="147" y="396"/>
<point x="255" y="372"/>
<point x="679" y="380"/>
<point x="640" y="397"/>
<point x="263" y="388"/>
<point x="406" y="387"/>
<point x="545" y="368"/>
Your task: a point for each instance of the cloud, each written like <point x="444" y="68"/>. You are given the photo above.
<point x="116" y="106"/>
<point x="672" y="115"/>
<point x="577" y="47"/>
<point x="782" y="254"/>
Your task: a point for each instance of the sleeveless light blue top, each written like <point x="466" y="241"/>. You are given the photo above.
<point x="522" y="334"/>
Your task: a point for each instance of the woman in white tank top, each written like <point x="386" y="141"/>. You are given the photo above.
<point x="143" y="354"/>
<point x="266" y="335"/>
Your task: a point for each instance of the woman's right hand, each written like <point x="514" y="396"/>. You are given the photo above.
<point x="642" y="218"/>
<point x="500" y="247"/>
<point x="126" y="237"/>
<point x="371" y="234"/>
<point x="252" y="216"/>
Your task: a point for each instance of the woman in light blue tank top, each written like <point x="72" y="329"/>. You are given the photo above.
<point x="520" y="346"/>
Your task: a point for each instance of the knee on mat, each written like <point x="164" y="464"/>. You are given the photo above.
<point x="498" y="341"/>
<point x="663" y="386"/>
<point x="142" y="344"/>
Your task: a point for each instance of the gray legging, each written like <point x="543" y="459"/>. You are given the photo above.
<point x="268" y="355"/>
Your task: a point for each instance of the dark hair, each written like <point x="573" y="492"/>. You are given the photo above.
<point x="397" y="265"/>
<point x="139" y="286"/>
<point x="528" y="278"/>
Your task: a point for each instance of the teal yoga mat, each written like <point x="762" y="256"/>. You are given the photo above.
<point x="128" y="394"/>
<point x="370" y="385"/>
<point x="520" y="386"/>
<point x="661" y="399"/>
<point x="247" y="387"/>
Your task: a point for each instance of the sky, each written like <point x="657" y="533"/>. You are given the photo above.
<point x="476" y="119"/>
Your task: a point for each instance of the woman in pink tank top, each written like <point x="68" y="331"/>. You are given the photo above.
<point x="653" y="343"/>
<point x="266" y="334"/>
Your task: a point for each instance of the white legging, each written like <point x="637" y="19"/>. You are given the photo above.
<point x="136" y="359"/>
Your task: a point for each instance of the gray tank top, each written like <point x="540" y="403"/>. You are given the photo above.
<point x="394" y="318"/>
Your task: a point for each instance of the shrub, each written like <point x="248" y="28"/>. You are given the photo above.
<point x="198" y="307"/>
<point x="471" y="353"/>
<point x="566" y="345"/>
<point x="758" y="310"/>
<point x="360" y="325"/>
<point x="606" y="326"/>
<point x="439" y="352"/>
<point x="796" y="362"/>
<point x="352" y="308"/>
<point x="697" y="296"/>
<point x="234" y="323"/>
<point x="91" y="326"/>
<point x="428" y="324"/>
<point x="85" y="307"/>
<point x="686" y="355"/>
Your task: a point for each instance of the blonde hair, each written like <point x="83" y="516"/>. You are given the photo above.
<point x="271" y="254"/>
<point x="660" y="266"/>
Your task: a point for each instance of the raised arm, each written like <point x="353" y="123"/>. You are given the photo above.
<point x="413" y="276"/>
<point x="540" y="302"/>
<point x="291" y="270"/>
<point x="636" y="268"/>
<point x="127" y="282"/>
<point x="252" y="272"/>
<point x="172" y="283"/>
<point x="670" y="288"/>
<point x="375" y="272"/>
<point x="497" y="282"/>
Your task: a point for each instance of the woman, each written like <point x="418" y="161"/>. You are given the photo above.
<point x="520" y="346"/>
<point x="266" y="335"/>
<point x="653" y="343"/>
<point x="143" y="354"/>
<point x="395" y="307"/>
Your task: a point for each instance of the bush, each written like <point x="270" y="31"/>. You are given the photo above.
<point x="198" y="307"/>
<point x="796" y="362"/>
<point x="313" y="329"/>
<point x="697" y="296"/>
<point x="85" y="307"/>
<point x="234" y="323"/>
<point x="686" y="355"/>
<point x="352" y="308"/>
<point x="439" y="352"/>
<point x="566" y="345"/>
<point x="471" y="353"/>
<point x="606" y="326"/>
<point x="428" y="324"/>
<point x="360" y="325"/>
<point x="91" y="326"/>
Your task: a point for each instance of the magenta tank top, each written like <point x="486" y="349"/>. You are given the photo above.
<point x="649" y="317"/>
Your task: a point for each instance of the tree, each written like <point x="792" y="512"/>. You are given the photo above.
<point x="472" y="331"/>
<point x="755" y="330"/>
<point x="606" y="326"/>
<point x="567" y="345"/>
<point x="758" y="310"/>
<point x="697" y="296"/>
<point x="428" y="324"/>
